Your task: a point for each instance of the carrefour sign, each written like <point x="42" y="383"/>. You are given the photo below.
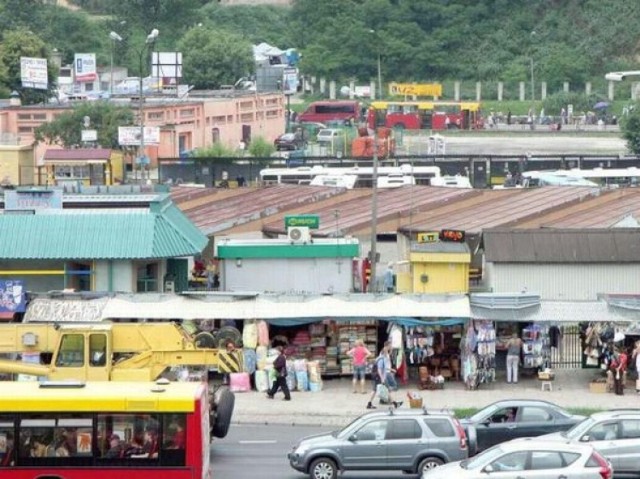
<point x="310" y="221"/>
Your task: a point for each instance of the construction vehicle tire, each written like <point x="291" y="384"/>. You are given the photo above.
<point x="224" y="402"/>
<point x="205" y="341"/>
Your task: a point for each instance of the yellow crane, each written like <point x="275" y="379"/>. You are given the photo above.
<point x="117" y="352"/>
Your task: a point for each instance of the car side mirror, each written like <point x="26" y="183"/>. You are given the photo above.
<point x="585" y="438"/>
<point x="488" y="468"/>
<point x="353" y="437"/>
<point x="486" y="422"/>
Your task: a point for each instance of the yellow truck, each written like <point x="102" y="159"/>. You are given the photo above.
<point x="116" y="352"/>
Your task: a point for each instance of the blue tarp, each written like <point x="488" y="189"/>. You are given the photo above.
<point x="401" y="321"/>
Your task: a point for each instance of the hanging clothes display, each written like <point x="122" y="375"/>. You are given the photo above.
<point x="479" y="354"/>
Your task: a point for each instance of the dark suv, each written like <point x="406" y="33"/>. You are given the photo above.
<point x="407" y="440"/>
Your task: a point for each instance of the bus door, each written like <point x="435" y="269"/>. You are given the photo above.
<point x="466" y="119"/>
<point x="377" y="117"/>
<point x="426" y="118"/>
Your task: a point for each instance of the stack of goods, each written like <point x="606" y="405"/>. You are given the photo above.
<point x="301" y="343"/>
<point x="535" y="346"/>
<point x="302" y="376"/>
<point x="319" y="345"/>
<point x="315" y="378"/>
<point x="479" y="354"/>
<point x="291" y="375"/>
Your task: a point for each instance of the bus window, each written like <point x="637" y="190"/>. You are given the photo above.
<point x="128" y="436"/>
<point x="71" y="351"/>
<point x="45" y="439"/>
<point x="7" y="443"/>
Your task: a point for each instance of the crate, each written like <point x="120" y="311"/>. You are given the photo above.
<point x="415" y="403"/>
<point x="598" y="387"/>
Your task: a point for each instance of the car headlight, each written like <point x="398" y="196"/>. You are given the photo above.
<point x="300" y="449"/>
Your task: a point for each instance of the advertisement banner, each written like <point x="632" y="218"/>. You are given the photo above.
<point x="130" y="135"/>
<point x="417" y="89"/>
<point x="33" y="73"/>
<point x="289" y="81"/>
<point x="85" y="67"/>
<point x="13" y="296"/>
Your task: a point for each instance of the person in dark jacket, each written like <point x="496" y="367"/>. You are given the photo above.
<point x="280" y="365"/>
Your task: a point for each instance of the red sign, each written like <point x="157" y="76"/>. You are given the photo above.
<point x="456" y="236"/>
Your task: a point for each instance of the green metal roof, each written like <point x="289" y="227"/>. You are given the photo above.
<point x="265" y="250"/>
<point x="162" y="231"/>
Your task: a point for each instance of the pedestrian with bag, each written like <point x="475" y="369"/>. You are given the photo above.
<point x="280" y="366"/>
<point x="619" y="366"/>
<point x="381" y="367"/>
<point x="636" y="356"/>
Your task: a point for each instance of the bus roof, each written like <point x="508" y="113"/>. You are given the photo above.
<point x="464" y="105"/>
<point x="111" y="396"/>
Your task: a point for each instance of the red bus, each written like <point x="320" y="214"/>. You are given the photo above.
<point x="425" y="115"/>
<point x="102" y="430"/>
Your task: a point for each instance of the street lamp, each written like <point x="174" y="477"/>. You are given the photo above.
<point x="533" y="84"/>
<point x="150" y="40"/>
<point x="114" y="38"/>
<point x="379" y="66"/>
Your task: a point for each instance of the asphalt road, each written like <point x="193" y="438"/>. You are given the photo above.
<point x="260" y="452"/>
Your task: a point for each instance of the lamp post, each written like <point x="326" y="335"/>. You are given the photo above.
<point x="114" y="38"/>
<point x="379" y="63"/>
<point x="150" y="40"/>
<point x="533" y="83"/>
<point x="374" y="210"/>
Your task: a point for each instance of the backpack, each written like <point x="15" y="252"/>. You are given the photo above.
<point x="374" y="368"/>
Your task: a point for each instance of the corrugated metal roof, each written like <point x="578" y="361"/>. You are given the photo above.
<point x="497" y="208"/>
<point x="134" y="234"/>
<point x="249" y="204"/>
<point x="78" y="154"/>
<point x="354" y="212"/>
<point x="562" y="246"/>
<point x="599" y="211"/>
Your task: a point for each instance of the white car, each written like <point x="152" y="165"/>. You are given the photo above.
<point x="529" y="458"/>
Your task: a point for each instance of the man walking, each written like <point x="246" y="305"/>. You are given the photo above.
<point x="381" y="367"/>
<point x="280" y="366"/>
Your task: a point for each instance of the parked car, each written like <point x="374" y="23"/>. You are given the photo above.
<point x="408" y="440"/>
<point x="615" y="434"/>
<point x="529" y="458"/>
<point x="291" y="141"/>
<point x="329" y="136"/>
<point x="510" y="419"/>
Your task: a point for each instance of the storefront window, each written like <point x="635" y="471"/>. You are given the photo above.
<point x="147" y="278"/>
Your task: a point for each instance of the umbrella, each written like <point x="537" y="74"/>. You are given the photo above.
<point x="601" y="105"/>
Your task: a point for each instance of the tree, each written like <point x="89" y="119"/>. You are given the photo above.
<point x="215" y="58"/>
<point x="24" y="43"/>
<point x="630" y="128"/>
<point x="261" y="148"/>
<point x="66" y="129"/>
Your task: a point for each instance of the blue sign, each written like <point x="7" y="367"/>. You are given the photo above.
<point x="142" y="160"/>
<point x="13" y="296"/>
<point x="33" y="199"/>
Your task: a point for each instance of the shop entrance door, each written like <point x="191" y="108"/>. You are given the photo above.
<point x="568" y="354"/>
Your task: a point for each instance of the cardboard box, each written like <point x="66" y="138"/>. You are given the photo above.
<point x="598" y="387"/>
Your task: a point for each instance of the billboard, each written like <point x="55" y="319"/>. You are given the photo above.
<point x="289" y="81"/>
<point x="166" y="65"/>
<point x="13" y="296"/>
<point x="85" y="67"/>
<point x="417" y="89"/>
<point x="33" y="73"/>
<point x="130" y="135"/>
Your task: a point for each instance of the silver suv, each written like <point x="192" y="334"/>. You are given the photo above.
<point x="407" y="440"/>
<point x="615" y="434"/>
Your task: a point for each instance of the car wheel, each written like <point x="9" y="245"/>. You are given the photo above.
<point x="323" y="468"/>
<point x="429" y="463"/>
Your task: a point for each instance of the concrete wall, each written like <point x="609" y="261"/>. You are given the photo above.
<point x="317" y="275"/>
<point x="568" y="282"/>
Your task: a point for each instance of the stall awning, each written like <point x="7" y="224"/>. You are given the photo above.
<point x="556" y="311"/>
<point x="298" y="309"/>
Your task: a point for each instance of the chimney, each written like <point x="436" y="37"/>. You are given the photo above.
<point x="14" y="99"/>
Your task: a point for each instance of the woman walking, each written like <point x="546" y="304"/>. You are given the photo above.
<point x="359" y="355"/>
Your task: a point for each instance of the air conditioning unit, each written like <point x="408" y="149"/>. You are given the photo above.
<point x="299" y="234"/>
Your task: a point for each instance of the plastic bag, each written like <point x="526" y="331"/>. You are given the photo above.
<point x="383" y="392"/>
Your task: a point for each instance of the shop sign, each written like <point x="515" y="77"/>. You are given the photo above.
<point x="32" y="199"/>
<point x="417" y="89"/>
<point x="455" y="236"/>
<point x="13" y="297"/>
<point x="430" y="237"/>
<point x="310" y="221"/>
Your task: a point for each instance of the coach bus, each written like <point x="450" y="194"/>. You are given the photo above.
<point x="354" y="177"/>
<point x="100" y="430"/>
<point x="425" y="115"/>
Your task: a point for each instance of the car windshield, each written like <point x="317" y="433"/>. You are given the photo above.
<point x="484" y="413"/>
<point x="483" y="458"/>
<point x="346" y="428"/>
<point x="579" y="429"/>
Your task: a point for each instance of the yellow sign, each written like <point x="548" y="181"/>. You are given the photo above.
<point x="430" y="237"/>
<point x="417" y="89"/>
